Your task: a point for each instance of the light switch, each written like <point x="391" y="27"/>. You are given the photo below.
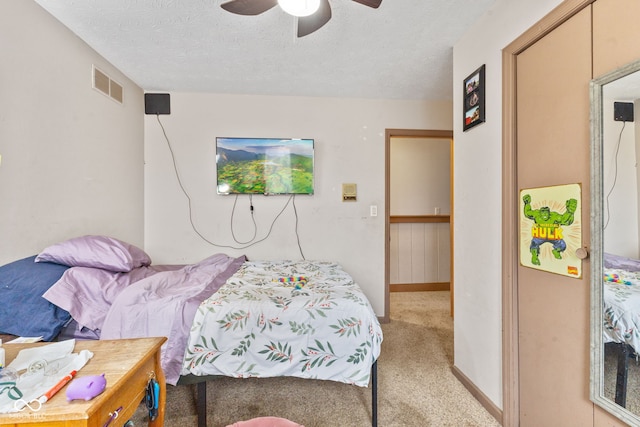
<point x="373" y="210"/>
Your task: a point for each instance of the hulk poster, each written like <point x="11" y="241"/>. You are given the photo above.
<point x="551" y="229"/>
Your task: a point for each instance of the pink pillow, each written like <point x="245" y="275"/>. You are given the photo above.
<point x="102" y="252"/>
<point x="266" y="422"/>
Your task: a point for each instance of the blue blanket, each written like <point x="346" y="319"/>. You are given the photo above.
<point x="23" y="311"/>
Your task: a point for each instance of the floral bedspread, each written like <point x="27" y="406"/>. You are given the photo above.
<point x="621" y="315"/>
<point x="282" y="318"/>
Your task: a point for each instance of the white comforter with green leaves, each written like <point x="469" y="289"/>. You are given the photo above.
<point x="258" y="326"/>
<point x="622" y="307"/>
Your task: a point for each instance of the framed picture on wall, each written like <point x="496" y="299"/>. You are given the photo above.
<point x="473" y="103"/>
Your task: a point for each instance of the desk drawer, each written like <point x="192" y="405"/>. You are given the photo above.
<point x="127" y="394"/>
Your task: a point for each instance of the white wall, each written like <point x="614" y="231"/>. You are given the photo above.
<point x="478" y="195"/>
<point x="349" y="139"/>
<point x="620" y="184"/>
<point x="71" y="157"/>
<point x="420" y="172"/>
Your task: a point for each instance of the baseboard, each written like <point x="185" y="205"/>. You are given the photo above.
<point x="419" y="287"/>
<point x="480" y="396"/>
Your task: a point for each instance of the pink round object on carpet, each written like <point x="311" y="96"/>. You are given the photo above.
<point x="266" y="422"/>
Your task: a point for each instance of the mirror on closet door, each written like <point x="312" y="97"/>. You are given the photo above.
<point x="615" y="243"/>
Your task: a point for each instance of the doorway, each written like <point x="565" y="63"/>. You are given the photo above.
<point x="424" y="218"/>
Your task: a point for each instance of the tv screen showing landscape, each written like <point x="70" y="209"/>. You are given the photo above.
<point x="264" y="165"/>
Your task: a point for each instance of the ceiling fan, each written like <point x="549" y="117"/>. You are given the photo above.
<point x="309" y="20"/>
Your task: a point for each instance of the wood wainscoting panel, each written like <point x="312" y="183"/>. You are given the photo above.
<point x="420" y="252"/>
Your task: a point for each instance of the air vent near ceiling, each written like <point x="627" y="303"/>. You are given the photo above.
<point x="104" y="84"/>
<point x="100" y="81"/>
<point x="116" y="91"/>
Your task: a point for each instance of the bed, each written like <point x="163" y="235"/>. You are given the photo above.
<point x="222" y="316"/>
<point x="621" y="315"/>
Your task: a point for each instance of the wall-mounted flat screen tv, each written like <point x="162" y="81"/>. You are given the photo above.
<point x="264" y="165"/>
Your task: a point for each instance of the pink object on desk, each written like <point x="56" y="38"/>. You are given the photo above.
<point x="266" y="422"/>
<point x="86" y="388"/>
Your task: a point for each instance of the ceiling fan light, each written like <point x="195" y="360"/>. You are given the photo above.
<point x="299" y="7"/>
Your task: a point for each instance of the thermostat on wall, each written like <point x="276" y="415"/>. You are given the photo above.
<point x="349" y="192"/>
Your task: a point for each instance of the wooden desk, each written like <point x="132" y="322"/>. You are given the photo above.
<point x="127" y="365"/>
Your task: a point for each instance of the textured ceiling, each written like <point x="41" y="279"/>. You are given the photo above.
<point x="402" y="50"/>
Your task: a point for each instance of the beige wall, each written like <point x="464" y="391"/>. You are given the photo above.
<point x="73" y="163"/>
<point x="477" y="201"/>
<point x="420" y="172"/>
<point x="349" y="139"/>
<point x="72" y="159"/>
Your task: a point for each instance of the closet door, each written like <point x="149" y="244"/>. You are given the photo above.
<point x="615" y="34"/>
<point x="552" y="107"/>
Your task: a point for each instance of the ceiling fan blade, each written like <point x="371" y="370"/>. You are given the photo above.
<point x="371" y="3"/>
<point x="311" y="23"/>
<point x="248" y="7"/>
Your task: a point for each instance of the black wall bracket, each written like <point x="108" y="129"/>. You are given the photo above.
<point x="623" y="111"/>
<point x="157" y="103"/>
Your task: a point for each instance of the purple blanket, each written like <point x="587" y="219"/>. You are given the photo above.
<point x="165" y="304"/>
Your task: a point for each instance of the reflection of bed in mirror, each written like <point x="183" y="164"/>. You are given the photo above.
<point x="615" y="213"/>
<point x="621" y="318"/>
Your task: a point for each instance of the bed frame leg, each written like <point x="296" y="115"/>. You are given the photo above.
<point x="374" y="394"/>
<point x="201" y="403"/>
<point x="624" y="352"/>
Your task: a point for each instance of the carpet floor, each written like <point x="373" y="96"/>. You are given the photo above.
<point x="415" y="384"/>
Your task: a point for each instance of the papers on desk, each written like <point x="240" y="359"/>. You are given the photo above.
<point x="24" y="340"/>
<point x="40" y="368"/>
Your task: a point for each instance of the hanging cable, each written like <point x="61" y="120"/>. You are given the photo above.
<point x="615" y="175"/>
<point x="295" y="211"/>
<point x="255" y="227"/>
<point x="193" y="226"/>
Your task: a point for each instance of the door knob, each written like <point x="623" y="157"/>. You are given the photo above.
<point x="582" y="253"/>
